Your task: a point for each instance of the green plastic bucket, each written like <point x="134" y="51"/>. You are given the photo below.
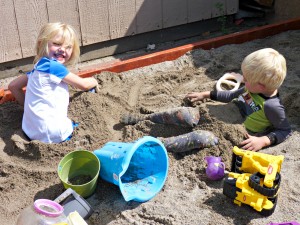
<point x="79" y="170"/>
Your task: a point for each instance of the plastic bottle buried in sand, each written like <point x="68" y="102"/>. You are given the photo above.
<point x="43" y="212"/>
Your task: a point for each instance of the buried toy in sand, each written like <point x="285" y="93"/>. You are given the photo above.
<point x="181" y="116"/>
<point x="197" y="139"/>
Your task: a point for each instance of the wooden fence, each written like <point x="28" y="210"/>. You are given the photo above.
<point x="97" y="20"/>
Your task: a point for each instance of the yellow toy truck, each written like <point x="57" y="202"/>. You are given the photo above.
<point x="254" y="180"/>
<point x="265" y="169"/>
<point x="236" y="186"/>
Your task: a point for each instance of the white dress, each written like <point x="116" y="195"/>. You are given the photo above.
<point x="46" y="103"/>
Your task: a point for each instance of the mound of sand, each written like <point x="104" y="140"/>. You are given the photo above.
<point x="28" y="169"/>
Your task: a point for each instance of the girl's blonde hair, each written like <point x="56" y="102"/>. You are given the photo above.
<point x="48" y="32"/>
<point x="265" y="66"/>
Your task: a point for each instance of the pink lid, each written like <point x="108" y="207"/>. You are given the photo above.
<point x="48" y="207"/>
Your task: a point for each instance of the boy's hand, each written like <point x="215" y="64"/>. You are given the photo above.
<point x="197" y="96"/>
<point x="254" y="143"/>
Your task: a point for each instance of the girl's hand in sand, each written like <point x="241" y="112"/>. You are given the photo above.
<point x="197" y="96"/>
<point x="254" y="143"/>
<point x="95" y="89"/>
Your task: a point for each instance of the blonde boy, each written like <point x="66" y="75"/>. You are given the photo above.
<point x="265" y="120"/>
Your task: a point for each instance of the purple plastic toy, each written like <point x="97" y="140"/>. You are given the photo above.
<point x="215" y="169"/>
<point x="285" y="223"/>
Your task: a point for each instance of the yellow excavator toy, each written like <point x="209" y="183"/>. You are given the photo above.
<point x="254" y="180"/>
<point x="236" y="186"/>
<point x="264" y="167"/>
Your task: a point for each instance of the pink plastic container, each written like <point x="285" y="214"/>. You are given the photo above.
<point x="43" y="211"/>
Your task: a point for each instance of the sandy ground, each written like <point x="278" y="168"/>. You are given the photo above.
<point x="28" y="171"/>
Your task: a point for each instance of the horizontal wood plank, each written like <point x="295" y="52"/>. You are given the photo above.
<point x="94" y="21"/>
<point x="10" y="48"/>
<point x="198" y="10"/>
<point x="122" y="18"/>
<point x="31" y="16"/>
<point x="67" y="12"/>
<point x="175" y="12"/>
<point x="148" y="15"/>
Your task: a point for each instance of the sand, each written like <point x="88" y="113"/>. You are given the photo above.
<point x="28" y="170"/>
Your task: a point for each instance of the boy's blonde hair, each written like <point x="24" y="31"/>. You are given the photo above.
<point x="265" y="66"/>
<point x="48" y="32"/>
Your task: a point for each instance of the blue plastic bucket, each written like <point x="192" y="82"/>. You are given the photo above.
<point x="139" y="168"/>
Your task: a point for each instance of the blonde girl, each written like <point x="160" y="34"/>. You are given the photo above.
<point x="47" y="97"/>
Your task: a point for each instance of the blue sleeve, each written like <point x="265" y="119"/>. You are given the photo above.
<point x="58" y="69"/>
<point x="275" y="113"/>
<point x="52" y="67"/>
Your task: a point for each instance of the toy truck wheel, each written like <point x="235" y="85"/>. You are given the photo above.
<point x="254" y="182"/>
<point x="233" y="162"/>
<point x="237" y="170"/>
<point x="236" y="163"/>
<point x="268" y="212"/>
<point x="229" y="187"/>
